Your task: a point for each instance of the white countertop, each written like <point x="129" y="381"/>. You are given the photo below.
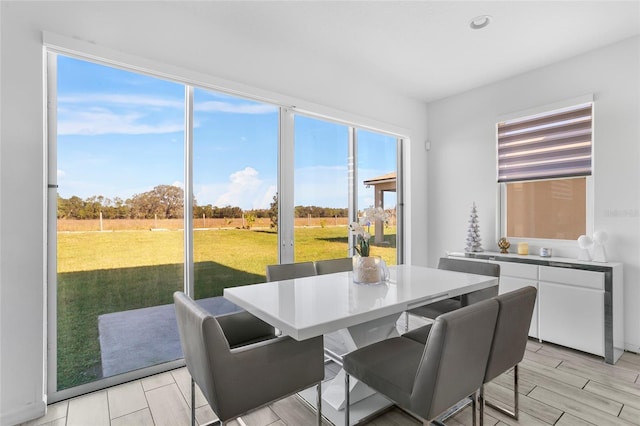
<point x="533" y="258"/>
<point x="312" y="306"/>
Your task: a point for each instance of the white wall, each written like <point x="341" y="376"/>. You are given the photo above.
<point x="167" y="36"/>
<point x="462" y="159"/>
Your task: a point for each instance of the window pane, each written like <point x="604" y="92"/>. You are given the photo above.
<point x="377" y="163"/>
<point x="321" y="190"/>
<point x="551" y="209"/>
<point x="235" y="148"/>
<point x="120" y="171"/>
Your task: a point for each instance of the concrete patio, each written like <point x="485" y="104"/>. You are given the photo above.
<point x="139" y="338"/>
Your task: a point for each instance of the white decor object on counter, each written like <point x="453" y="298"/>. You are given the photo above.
<point x="584" y="242"/>
<point x="474" y="244"/>
<point x="599" y="252"/>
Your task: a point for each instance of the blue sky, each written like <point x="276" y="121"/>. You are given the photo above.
<point x="121" y="133"/>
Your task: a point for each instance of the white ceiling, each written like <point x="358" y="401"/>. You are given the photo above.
<point x="425" y="49"/>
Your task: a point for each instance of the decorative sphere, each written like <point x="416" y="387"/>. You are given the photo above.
<point x="600" y="237"/>
<point x="584" y="241"/>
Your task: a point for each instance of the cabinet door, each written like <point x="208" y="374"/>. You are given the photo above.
<point x="508" y="284"/>
<point x="572" y="316"/>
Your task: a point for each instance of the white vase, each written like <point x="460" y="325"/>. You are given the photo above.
<point x="369" y="270"/>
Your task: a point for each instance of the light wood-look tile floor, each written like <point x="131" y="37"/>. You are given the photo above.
<point x="558" y="386"/>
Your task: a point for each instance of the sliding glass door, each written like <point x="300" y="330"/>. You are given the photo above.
<point x="321" y="189"/>
<point x="377" y="162"/>
<point x="235" y="171"/>
<point x="120" y="256"/>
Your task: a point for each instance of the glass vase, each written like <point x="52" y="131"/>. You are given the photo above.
<point x="369" y="270"/>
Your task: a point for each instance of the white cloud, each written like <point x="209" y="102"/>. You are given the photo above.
<point x="119" y="99"/>
<point x="101" y="121"/>
<point x="244" y="189"/>
<point x="248" y="108"/>
<point x="267" y="198"/>
<point x="60" y="173"/>
<point x="178" y="184"/>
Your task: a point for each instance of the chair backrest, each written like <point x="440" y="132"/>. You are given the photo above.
<point x="454" y="358"/>
<point x="512" y="330"/>
<point x="472" y="267"/>
<point x="329" y="266"/>
<point x="289" y="271"/>
<point x="202" y="341"/>
<point x="469" y="266"/>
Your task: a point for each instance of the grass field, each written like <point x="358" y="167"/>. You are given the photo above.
<point x="104" y="272"/>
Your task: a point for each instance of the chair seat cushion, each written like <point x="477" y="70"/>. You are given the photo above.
<point x="433" y="310"/>
<point x="419" y="334"/>
<point x="388" y="366"/>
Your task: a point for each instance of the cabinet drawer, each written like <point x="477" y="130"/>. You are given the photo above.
<point x="572" y="316"/>
<point x="573" y="277"/>
<point x="519" y="270"/>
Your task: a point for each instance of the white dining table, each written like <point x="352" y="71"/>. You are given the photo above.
<point x="312" y="306"/>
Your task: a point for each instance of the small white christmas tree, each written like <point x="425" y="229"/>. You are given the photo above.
<point x="473" y="233"/>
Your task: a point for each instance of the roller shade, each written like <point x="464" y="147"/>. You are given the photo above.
<point x="551" y="145"/>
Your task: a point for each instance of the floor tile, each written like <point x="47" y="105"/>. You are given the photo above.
<point x="125" y="399"/>
<point x="138" y="418"/>
<point x="157" y="381"/>
<point x="91" y="409"/>
<point x="630" y="414"/>
<point x="576" y="408"/>
<point x="168" y="406"/>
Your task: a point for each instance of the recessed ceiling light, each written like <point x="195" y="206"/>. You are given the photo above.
<point x="480" y="22"/>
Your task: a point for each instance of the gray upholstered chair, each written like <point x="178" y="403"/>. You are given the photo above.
<point x="509" y="342"/>
<point x="235" y="377"/>
<point x="432" y="310"/>
<point x="426" y="380"/>
<point x="289" y="271"/>
<point x="329" y="266"/>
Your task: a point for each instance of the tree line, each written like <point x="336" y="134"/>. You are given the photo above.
<point x="166" y="202"/>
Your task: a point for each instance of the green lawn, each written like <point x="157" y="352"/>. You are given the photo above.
<point x="108" y="272"/>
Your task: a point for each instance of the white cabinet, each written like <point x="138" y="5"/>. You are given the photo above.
<point x="579" y="304"/>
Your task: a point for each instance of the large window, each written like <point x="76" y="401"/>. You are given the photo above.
<point x="164" y="186"/>
<point x="544" y="162"/>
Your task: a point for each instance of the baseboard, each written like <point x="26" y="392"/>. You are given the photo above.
<point x="23" y="414"/>
<point x="632" y="347"/>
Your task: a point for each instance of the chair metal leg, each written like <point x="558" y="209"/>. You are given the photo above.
<point x="481" y="404"/>
<point x="516" y="397"/>
<point x="346" y="399"/>
<point x="473" y="410"/>
<point x="513" y="414"/>
<point x="319" y="403"/>
<point x="193" y="402"/>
